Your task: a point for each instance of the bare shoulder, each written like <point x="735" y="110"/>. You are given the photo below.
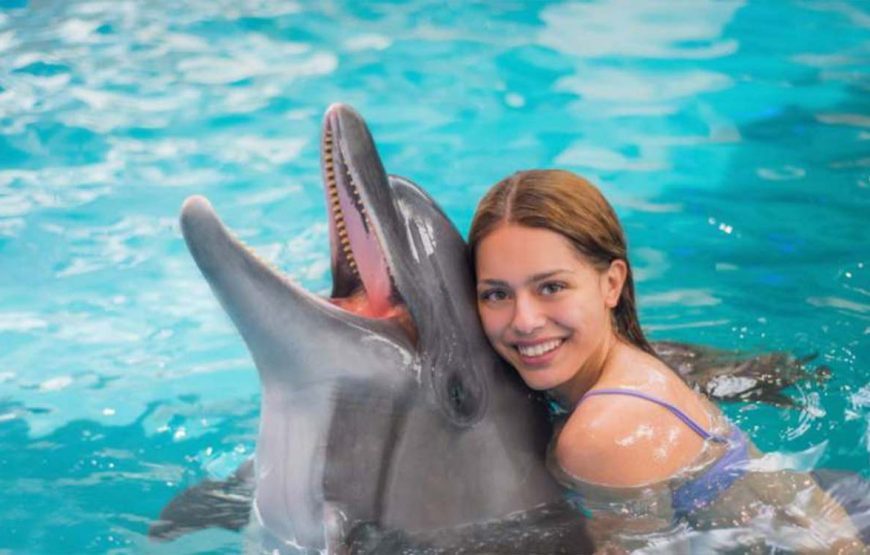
<point x="622" y="441"/>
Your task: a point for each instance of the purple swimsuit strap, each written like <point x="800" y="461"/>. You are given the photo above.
<point x="687" y="420"/>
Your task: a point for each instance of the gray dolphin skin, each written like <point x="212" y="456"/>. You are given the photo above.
<point x="386" y="420"/>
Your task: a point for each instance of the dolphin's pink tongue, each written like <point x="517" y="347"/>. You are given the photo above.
<point x="368" y="257"/>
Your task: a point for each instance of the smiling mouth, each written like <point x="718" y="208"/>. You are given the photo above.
<point x="539" y="349"/>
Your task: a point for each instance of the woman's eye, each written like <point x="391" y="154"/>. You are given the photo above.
<point x="552" y="288"/>
<point x="493" y="295"/>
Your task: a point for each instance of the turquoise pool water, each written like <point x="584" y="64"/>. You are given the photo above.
<point x="732" y="137"/>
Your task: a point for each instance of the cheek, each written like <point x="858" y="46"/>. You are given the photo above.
<point x="583" y="315"/>
<point x="569" y="315"/>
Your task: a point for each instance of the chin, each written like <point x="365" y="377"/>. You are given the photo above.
<point x="540" y="380"/>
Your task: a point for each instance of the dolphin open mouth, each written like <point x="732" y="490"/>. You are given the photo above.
<point x="362" y="282"/>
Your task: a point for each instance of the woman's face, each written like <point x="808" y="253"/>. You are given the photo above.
<point x="544" y="307"/>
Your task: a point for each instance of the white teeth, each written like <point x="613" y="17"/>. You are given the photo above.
<point x="540" y="349"/>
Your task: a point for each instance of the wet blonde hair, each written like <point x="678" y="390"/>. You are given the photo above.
<point x="567" y="204"/>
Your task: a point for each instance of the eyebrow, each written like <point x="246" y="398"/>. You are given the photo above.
<point x="534" y="278"/>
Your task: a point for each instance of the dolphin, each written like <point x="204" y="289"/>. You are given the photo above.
<point x="386" y="419"/>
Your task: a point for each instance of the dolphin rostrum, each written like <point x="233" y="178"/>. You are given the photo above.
<point x="383" y="408"/>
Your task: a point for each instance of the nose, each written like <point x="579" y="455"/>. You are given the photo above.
<point x="528" y="316"/>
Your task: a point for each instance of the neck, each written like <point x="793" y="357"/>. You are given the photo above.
<point x="589" y="374"/>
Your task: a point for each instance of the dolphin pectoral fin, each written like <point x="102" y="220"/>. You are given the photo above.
<point x="209" y="504"/>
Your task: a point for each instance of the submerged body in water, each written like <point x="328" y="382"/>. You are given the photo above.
<point x="730" y="497"/>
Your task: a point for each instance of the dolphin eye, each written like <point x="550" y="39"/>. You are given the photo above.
<point x="458" y="396"/>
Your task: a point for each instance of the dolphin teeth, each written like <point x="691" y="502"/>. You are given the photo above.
<point x="259" y="258"/>
<point x="334" y="199"/>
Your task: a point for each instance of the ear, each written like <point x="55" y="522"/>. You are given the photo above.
<point x="613" y="281"/>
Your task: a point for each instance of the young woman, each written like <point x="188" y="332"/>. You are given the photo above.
<point x="641" y="450"/>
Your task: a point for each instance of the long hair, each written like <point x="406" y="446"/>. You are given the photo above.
<point x="567" y="204"/>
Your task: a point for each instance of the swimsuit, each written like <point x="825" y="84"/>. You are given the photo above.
<point x="702" y="490"/>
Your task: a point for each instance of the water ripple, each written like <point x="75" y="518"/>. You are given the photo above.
<point x="693" y="32"/>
